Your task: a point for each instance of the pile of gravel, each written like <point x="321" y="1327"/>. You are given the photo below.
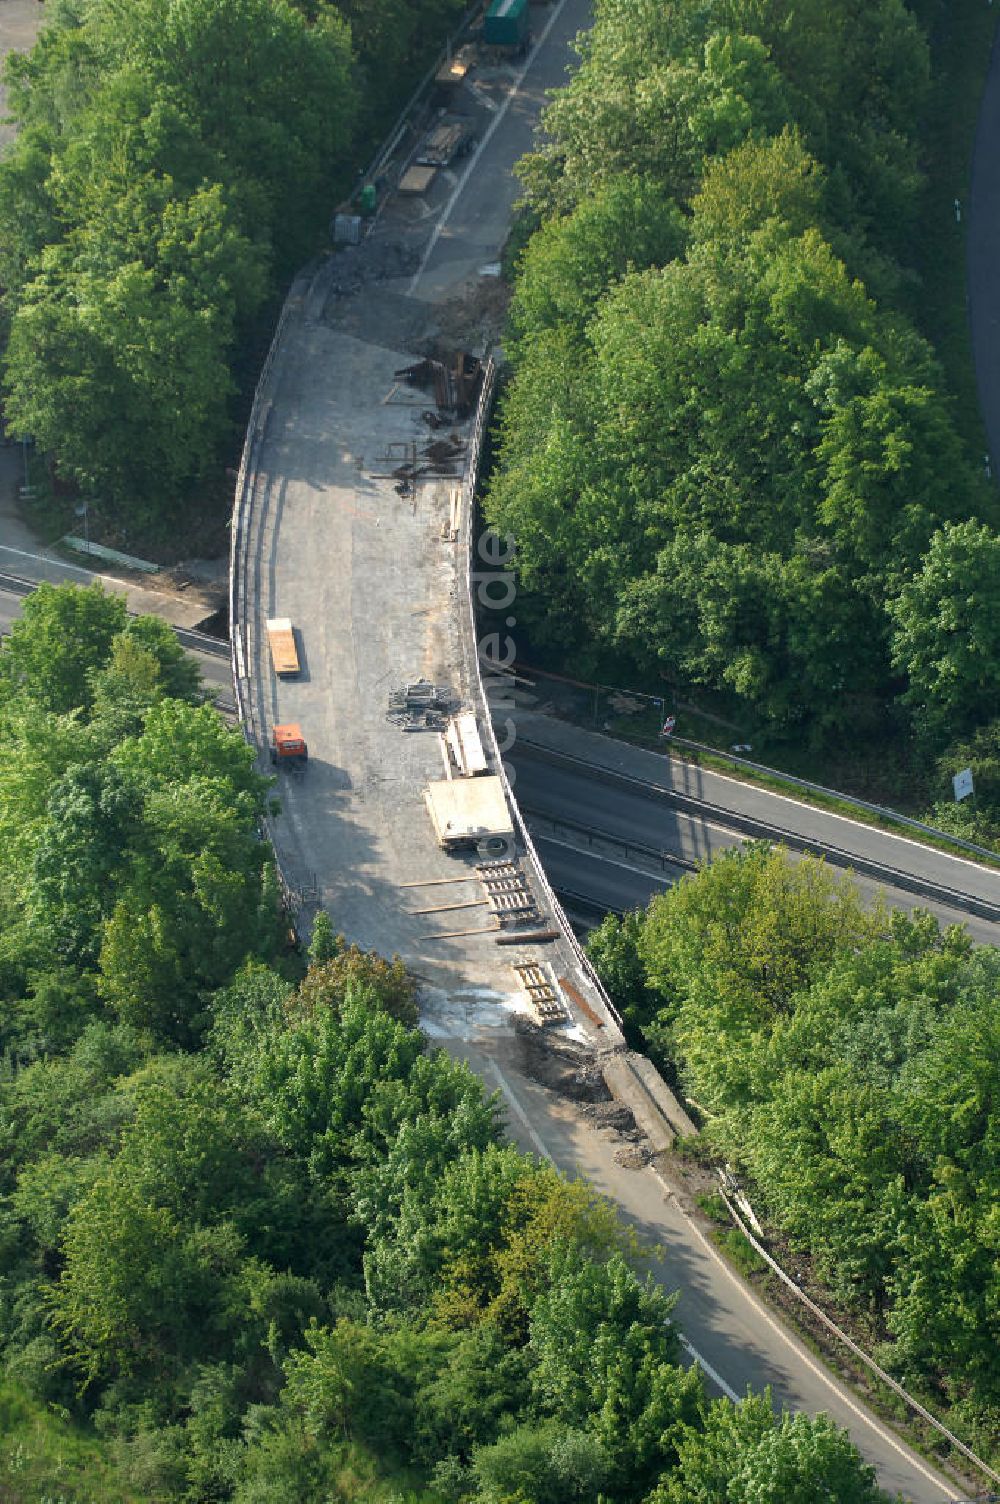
<point x="373" y="260"/>
<point x="611" y="1115"/>
<point x="633" y="1156"/>
<point x="566" y="1067"/>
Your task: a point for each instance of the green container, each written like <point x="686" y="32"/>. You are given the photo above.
<point x="367" y="199"/>
<point x="506" y="24"/>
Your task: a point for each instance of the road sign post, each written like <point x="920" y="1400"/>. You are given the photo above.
<point x="962" y="784"/>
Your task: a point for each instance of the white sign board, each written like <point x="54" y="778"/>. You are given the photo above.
<point x="962" y="784"/>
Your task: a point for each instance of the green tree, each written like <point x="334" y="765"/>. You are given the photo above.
<point x="179" y="674"/>
<point x="947" y="628"/>
<point x="734" y="946"/>
<point x="745" y="1452"/>
<point x="168" y="169"/>
<point x="182" y="744"/>
<point x="82" y="854"/>
<point x="271" y="97"/>
<point x="63" y="635"/>
<point x="605" y="1357"/>
<point x="613" y="947"/>
<point x="124" y="384"/>
<point x="136" y="1289"/>
<point x="637" y="456"/>
<point x="499" y="1217"/>
<point x="544" y="1464"/>
<point x="350" y="973"/>
<point x="324" y="943"/>
<point x="570" y="263"/>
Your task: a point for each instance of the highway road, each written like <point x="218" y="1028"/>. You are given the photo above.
<point x="373" y="578"/>
<point x="594" y="881"/>
<point x="551" y="792"/>
<point x="475" y="222"/>
<point x="212" y="659"/>
<point x="736" y="1339"/>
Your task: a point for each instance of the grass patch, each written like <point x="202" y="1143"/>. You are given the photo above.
<point x="44" y="1458"/>
<point x="738" y="1251"/>
<point x="715" y="1209"/>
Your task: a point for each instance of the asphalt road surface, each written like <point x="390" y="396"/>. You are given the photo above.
<point x="215" y="669"/>
<point x="368" y="572"/>
<point x="552" y="792"/>
<point x="606" y="879"/>
<point x="474" y="226"/>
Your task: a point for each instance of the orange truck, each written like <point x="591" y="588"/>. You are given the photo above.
<point x="288" y="746"/>
<point x="281" y="639"/>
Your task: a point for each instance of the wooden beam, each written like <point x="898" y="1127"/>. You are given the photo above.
<point x="527" y="937"/>
<point x="576" y="997"/>
<point x="441" y="908"/>
<point x="451" y="934"/>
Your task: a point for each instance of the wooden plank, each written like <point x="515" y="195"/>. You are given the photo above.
<point x="452" y="934"/>
<point x="417" y="179"/>
<point x="441" y="908"/>
<point x="528" y="937"/>
<point x="579" y="1001"/>
<point x="281" y="640"/>
<point x="432" y="882"/>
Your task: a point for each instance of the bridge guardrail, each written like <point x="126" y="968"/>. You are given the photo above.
<point x="476" y="441"/>
<point x="757" y="828"/>
<point x="398" y="126"/>
<point x="881" y="810"/>
<point x="859" y="1352"/>
<point x="242" y="529"/>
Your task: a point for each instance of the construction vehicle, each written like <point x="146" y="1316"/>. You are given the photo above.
<point x="281" y="639"/>
<point x="442" y="143"/>
<point x="455" y="70"/>
<point x="288" y="746"/>
<point x="470" y="812"/>
<point x="506" y="25"/>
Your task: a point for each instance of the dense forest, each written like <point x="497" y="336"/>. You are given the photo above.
<point x="847" y="1060"/>
<point x="260" y="1242"/>
<point x="726" y="452"/>
<point x="175" y="164"/>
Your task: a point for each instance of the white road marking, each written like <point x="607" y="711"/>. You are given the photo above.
<point x="486" y="138"/>
<point x="706" y="1367"/>
<point x="610" y="861"/>
<point x="803" y="1357"/>
<point x="504" y="1085"/>
<point x="599" y="856"/>
<point x="829" y="814"/>
<point x="23" y="553"/>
